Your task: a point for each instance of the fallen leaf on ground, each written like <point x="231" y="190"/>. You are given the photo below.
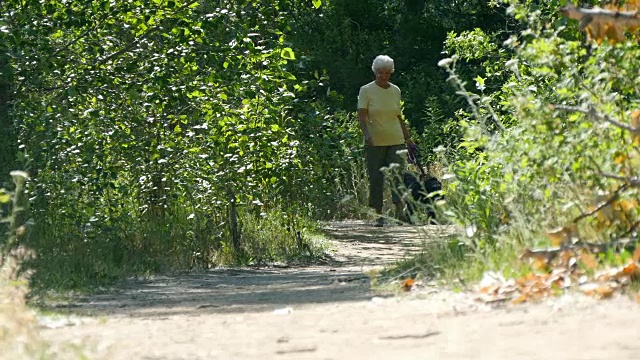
<point x="520" y="299"/>
<point x="539" y="264"/>
<point x="599" y="290"/>
<point x="559" y="236"/>
<point x="589" y="260"/>
<point x="631" y="271"/>
<point x="604" y="291"/>
<point x="408" y="284"/>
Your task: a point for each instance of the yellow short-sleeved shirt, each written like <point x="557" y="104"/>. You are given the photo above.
<point x="383" y="106"/>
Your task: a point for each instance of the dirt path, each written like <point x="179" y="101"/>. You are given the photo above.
<point x="329" y="312"/>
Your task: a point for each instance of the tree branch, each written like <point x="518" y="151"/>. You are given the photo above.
<point x="79" y="37"/>
<point x="631" y="228"/>
<point x="609" y="201"/>
<point x="634" y="182"/>
<point x="594" y="113"/>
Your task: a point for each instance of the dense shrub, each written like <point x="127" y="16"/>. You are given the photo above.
<point x="566" y="157"/>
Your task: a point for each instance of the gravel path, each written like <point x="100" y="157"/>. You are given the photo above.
<point x="329" y="312"/>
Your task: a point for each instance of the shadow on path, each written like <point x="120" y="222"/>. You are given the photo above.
<point x="361" y="244"/>
<point x="356" y="246"/>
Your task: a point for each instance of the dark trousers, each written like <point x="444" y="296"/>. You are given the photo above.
<point x="376" y="158"/>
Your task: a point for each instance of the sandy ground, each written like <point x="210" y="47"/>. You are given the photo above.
<point x="329" y="312"/>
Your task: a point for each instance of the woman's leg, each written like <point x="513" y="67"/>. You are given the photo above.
<point x="396" y="178"/>
<point x="375" y="157"/>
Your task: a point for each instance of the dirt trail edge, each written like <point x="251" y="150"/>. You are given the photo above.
<point x="328" y="312"/>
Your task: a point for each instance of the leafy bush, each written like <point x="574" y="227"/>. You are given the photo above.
<point x="145" y="132"/>
<point x="19" y="328"/>
<point x="569" y="156"/>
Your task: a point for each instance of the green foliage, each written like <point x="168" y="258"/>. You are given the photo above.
<point x="156" y="131"/>
<point x="13" y="213"/>
<point x="470" y="45"/>
<point x="271" y="237"/>
<point x="411" y="32"/>
<point x="567" y="149"/>
<point x="145" y="124"/>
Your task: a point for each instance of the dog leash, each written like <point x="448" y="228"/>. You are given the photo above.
<point x="413" y="158"/>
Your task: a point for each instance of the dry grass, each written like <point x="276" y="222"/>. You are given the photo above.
<point x="19" y="328"/>
<point x="18" y="324"/>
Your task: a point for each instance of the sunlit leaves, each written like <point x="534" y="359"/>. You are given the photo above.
<point x="287" y="53"/>
<point x="153" y="111"/>
<point x="4" y="197"/>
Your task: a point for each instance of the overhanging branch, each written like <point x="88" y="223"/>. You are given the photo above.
<point x="609" y="201"/>
<point x="592" y="112"/>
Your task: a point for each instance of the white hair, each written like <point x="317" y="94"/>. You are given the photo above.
<point x="382" y="62"/>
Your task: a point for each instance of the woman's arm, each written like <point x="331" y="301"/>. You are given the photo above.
<point x="363" y="114"/>
<point x="405" y="131"/>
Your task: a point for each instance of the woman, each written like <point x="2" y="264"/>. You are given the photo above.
<point x="385" y="132"/>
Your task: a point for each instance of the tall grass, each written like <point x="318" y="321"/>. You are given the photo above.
<point x="272" y="236"/>
<point x="101" y="254"/>
<point x="19" y="328"/>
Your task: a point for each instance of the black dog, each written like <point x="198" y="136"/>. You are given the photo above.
<point x="425" y="189"/>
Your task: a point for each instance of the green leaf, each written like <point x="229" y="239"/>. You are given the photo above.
<point x="480" y="83"/>
<point x="287" y="53"/>
<point x="4" y="197"/>
<point x="288" y="75"/>
<point x="317" y="3"/>
<point x="133" y="94"/>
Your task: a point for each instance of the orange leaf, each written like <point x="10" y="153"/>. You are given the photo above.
<point x="559" y="236"/>
<point x="635" y="122"/>
<point x="638" y="298"/>
<point x="407" y="284"/>
<point x="539" y="264"/>
<point x="635" y="119"/>
<point x="491" y="289"/>
<point x="627" y="205"/>
<point x="631" y="270"/>
<point x="599" y="291"/>
<point x="568" y="259"/>
<point x="636" y="254"/>
<point x="589" y="260"/>
<point x="620" y="158"/>
<point x="523" y="298"/>
<point x="604" y="291"/>
<point x="630" y="5"/>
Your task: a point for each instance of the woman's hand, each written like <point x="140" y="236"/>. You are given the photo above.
<point x="368" y="140"/>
